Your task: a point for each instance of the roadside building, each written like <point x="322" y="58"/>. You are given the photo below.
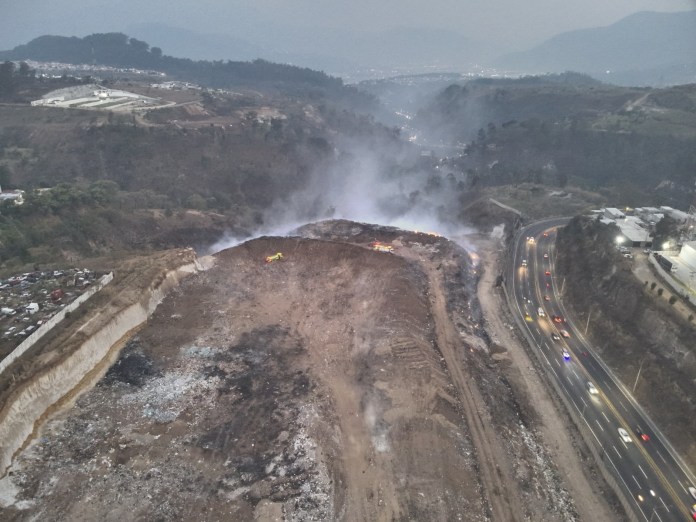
<point x="687" y="255"/>
<point x="12" y="195"/>
<point x="679" y="216"/>
<point x="613" y="213"/>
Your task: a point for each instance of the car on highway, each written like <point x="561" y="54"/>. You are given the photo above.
<point x="693" y="511"/>
<point x="540" y="312"/>
<point x="546" y="234"/>
<point x="566" y="354"/>
<point x="546" y="256"/>
<point x="530" y="239"/>
<point x="692" y="491"/>
<point x="564" y="333"/>
<point x="592" y="388"/>
<point x="557" y="318"/>
<point x="524" y="263"/>
<point x="548" y="273"/>
<point x="643" y="436"/>
<point x="527" y="317"/>
<point x="555" y="337"/>
<point x="624" y="435"/>
<point x="547" y="298"/>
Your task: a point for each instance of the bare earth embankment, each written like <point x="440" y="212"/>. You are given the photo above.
<point x="337" y="384"/>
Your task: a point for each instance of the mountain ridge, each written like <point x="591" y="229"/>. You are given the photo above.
<point x="655" y="43"/>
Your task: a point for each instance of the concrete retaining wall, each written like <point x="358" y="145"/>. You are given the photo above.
<point x="59" y="385"/>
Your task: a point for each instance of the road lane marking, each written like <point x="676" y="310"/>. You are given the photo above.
<point x="547" y="360"/>
<point x="666" y="484"/>
<point x="679" y="481"/>
<point x="605" y="417"/>
<point x="622" y="405"/>
<point x="593" y="434"/>
<point x="557" y="362"/>
<point x="660" y="455"/>
<point x="634" y="478"/>
<point x="567" y="392"/>
<point x="583" y="402"/>
<point x="617" y="451"/>
<point x="576" y="375"/>
<point x="622" y="442"/>
<point x="598" y="424"/>
<point x="657" y="515"/>
<point x="663" y="503"/>
<point x="643" y="472"/>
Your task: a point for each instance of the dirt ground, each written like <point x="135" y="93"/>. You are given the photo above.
<point x="337" y="384"/>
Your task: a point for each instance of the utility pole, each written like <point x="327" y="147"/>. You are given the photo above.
<point x="589" y="314"/>
<point x="638" y="375"/>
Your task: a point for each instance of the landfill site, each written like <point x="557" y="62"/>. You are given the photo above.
<point x="352" y="372"/>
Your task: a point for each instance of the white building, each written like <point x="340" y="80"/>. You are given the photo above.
<point x="679" y="215"/>
<point x="688" y="255"/>
<point x="613" y="213"/>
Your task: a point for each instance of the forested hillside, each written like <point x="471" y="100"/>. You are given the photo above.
<point x="635" y="145"/>
<point x="96" y="182"/>
<point x="118" y="50"/>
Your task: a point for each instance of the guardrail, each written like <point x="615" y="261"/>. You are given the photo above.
<point x="53" y="321"/>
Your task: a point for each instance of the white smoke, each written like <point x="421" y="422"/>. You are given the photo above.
<point x="369" y="187"/>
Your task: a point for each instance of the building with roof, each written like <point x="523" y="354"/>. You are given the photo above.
<point x="12" y="195"/>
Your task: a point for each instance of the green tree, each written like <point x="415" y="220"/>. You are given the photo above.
<point x="673" y="299"/>
<point x="4" y="177"/>
<point x="102" y="191"/>
<point x="667" y="229"/>
<point x="660" y="291"/>
<point x="196" y="202"/>
<point x="7" y="80"/>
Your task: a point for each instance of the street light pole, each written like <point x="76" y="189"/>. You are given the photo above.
<point x="638" y="375"/>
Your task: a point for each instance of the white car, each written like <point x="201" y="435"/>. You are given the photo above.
<point x="591" y="388"/>
<point x="692" y="490"/>
<point x="624" y="435"/>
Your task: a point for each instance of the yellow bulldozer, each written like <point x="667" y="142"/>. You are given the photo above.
<point x="275" y="257"/>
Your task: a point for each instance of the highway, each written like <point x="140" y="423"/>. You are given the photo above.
<point x="649" y="471"/>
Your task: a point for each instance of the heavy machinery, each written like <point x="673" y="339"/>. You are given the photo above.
<point x="278" y="256"/>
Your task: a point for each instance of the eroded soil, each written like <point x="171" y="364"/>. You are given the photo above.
<point x="337" y="384"/>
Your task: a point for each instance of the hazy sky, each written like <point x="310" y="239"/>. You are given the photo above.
<point x="513" y="22"/>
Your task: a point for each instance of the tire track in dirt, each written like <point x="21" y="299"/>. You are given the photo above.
<point x="494" y="477"/>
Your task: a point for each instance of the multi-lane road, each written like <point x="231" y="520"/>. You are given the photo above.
<point x="648" y="471"/>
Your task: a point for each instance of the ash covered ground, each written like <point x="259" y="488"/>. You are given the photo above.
<point x="337" y="384"/>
